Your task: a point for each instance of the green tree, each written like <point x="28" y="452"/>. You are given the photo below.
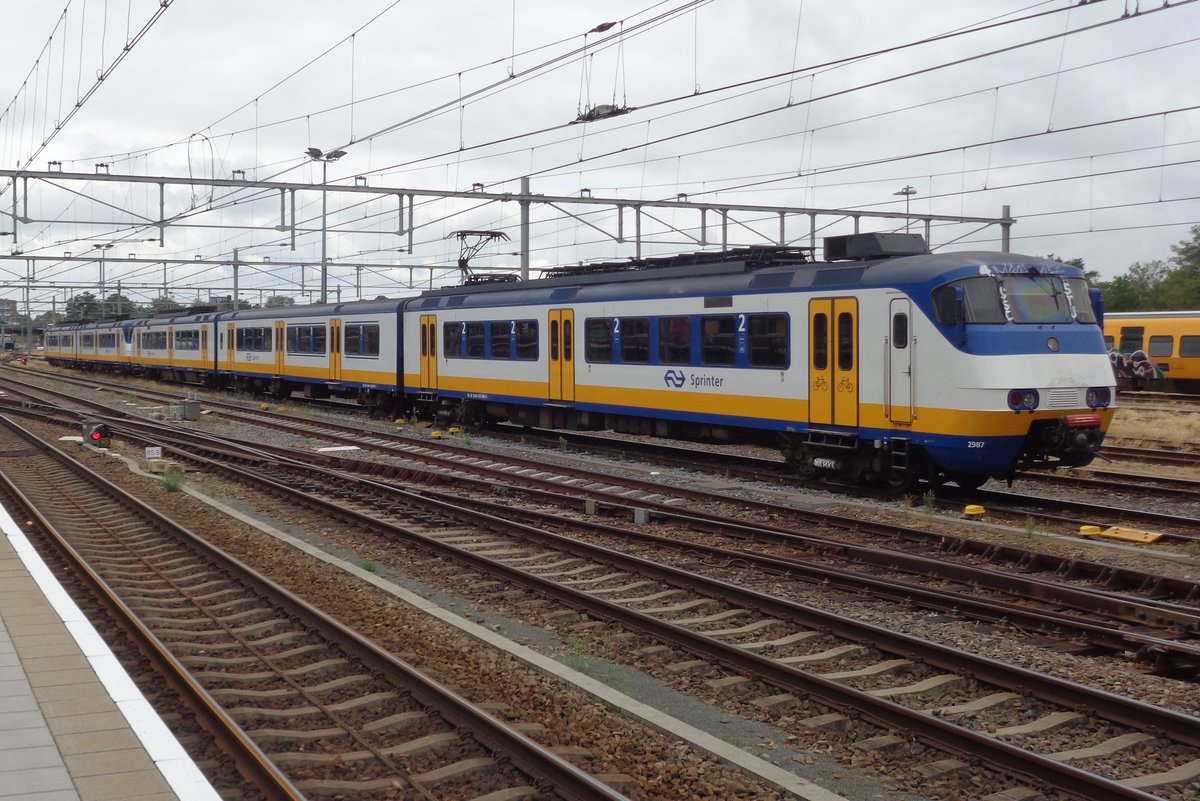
<point x="163" y="303"/>
<point x="1091" y="276"/>
<point x="279" y="301"/>
<point x="117" y="305"/>
<point x="1180" y="290"/>
<point x="83" y="306"/>
<point x="48" y="318"/>
<point x="1187" y="254"/>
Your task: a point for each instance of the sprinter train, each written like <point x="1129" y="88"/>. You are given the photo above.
<point x="885" y="363"/>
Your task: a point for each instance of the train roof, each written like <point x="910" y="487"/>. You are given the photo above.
<point x="1152" y="315"/>
<point x="384" y="306"/>
<point x="740" y="274"/>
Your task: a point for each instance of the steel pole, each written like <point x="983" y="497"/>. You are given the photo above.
<point x="324" y="230"/>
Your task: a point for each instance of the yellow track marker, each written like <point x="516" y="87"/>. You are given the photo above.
<point x="1123" y="534"/>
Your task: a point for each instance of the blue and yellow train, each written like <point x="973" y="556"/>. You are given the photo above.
<point x="885" y="364"/>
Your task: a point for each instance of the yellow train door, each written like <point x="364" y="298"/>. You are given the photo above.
<point x="230" y="336"/>
<point x="280" y="346"/>
<point x="833" y="361"/>
<point x="562" y="355"/>
<point x="335" y="350"/>
<point x="429" y="366"/>
<point x="845" y="362"/>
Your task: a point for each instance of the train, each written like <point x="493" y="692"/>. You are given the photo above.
<point x="1155" y="350"/>
<point x="884" y="363"/>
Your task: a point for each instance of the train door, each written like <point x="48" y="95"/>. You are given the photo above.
<point x="899" y="361"/>
<point x="126" y="337"/>
<point x="833" y="361"/>
<point x="203" y="345"/>
<point x="230" y="344"/>
<point x="280" y="345"/>
<point x="429" y="365"/>
<point x="171" y="345"/>
<point x="562" y="355"/>
<point x="335" y="350"/>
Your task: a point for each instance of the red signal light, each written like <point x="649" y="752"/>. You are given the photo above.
<point x="97" y="433"/>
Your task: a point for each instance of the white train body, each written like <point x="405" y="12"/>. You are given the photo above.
<point x="887" y="368"/>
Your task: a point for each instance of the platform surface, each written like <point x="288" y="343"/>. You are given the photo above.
<point x="73" y="727"/>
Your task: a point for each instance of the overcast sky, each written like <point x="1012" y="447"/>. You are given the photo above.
<point x="218" y="86"/>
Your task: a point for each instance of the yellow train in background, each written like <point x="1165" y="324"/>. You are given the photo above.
<point x="1155" y="350"/>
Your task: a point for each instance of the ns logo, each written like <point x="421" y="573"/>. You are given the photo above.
<point x="674" y="378"/>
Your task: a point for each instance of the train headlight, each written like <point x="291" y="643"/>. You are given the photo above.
<point x="1099" y="397"/>
<point x="1023" y="399"/>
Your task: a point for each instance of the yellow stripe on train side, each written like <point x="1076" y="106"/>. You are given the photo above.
<point x="366" y="376"/>
<point x="927" y="420"/>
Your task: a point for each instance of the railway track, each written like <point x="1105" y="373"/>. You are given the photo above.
<point x="888" y="678"/>
<point x="1093" y="616"/>
<point x="459" y="464"/>
<point x="872" y="667"/>
<point x="304" y="705"/>
<point x="1164" y="455"/>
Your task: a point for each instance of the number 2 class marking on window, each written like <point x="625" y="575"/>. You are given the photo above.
<point x="741" y="323"/>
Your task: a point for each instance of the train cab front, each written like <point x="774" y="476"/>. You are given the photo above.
<point x="1072" y="440"/>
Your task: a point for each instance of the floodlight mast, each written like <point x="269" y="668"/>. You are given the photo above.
<point x="317" y="155"/>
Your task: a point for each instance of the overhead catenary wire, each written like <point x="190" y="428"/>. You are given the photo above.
<point x="669" y="156"/>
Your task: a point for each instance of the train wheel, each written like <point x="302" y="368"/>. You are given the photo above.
<point x="898" y="481"/>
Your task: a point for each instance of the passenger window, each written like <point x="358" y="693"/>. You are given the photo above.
<point x="501" y="343"/>
<point x="820" y="342"/>
<point x="1132" y="338"/>
<point x="845" y="341"/>
<point x="567" y="341"/>
<point x="451" y="341"/>
<point x="475" y="341"/>
<point x="900" y="331"/>
<point x="1189" y="347"/>
<point x="674" y="340"/>
<point x="718" y="341"/>
<point x="527" y="340"/>
<point x="635" y="340"/>
<point x="598" y="340"/>
<point x="1161" y="346"/>
<point x="768" y="340"/>
<point x="554" y="340"/>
